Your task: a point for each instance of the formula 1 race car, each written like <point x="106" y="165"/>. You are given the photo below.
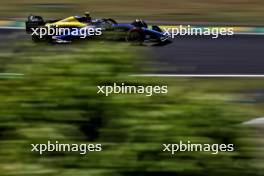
<point x="81" y="27"/>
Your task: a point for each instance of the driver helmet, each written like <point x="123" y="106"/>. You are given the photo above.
<point x="136" y="22"/>
<point x="139" y="23"/>
<point x="87" y="15"/>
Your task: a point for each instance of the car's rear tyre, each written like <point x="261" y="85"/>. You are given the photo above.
<point x="37" y="39"/>
<point x="34" y="22"/>
<point x="135" y="36"/>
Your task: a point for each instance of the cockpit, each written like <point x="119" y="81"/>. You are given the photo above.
<point x="139" y="23"/>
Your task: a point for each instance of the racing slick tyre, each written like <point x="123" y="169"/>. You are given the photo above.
<point x="37" y="39"/>
<point x="34" y="22"/>
<point x="135" y="36"/>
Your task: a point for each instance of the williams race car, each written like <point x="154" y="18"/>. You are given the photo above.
<point x="80" y="27"/>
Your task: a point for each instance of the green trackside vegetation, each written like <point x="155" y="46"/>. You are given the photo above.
<point x="235" y="11"/>
<point x="56" y="99"/>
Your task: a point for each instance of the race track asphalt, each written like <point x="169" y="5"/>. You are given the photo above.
<point x="238" y="54"/>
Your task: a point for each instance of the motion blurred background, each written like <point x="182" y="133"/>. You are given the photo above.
<point x="48" y="92"/>
<point x="235" y="11"/>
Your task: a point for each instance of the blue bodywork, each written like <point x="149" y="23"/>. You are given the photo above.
<point x="149" y="33"/>
<point x="145" y="30"/>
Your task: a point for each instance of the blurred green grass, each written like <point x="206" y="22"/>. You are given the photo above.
<point x="236" y="11"/>
<point x="56" y="100"/>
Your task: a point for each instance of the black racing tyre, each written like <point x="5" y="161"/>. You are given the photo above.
<point x="46" y="38"/>
<point x="135" y="36"/>
<point x="33" y="22"/>
<point x="35" y="38"/>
